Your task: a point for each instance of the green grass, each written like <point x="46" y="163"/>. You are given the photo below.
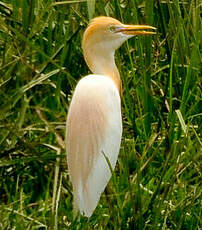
<point x="157" y="180"/>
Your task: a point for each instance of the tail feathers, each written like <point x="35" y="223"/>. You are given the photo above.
<point x="86" y="196"/>
<point x="85" y="201"/>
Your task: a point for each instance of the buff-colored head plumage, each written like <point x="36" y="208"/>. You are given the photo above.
<point x="105" y="34"/>
<point x="99" y="29"/>
<point x="100" y="40"/>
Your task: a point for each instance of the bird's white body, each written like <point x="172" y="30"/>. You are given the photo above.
<point x="94" y="124"/>
<point x="94" y="130"/>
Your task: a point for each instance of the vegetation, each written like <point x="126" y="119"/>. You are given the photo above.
<point x="157" y="180"/>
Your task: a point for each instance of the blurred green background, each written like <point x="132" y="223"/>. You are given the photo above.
<point x="157" y="180"/>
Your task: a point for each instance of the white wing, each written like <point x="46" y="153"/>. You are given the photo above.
<point x="93" y="127"/>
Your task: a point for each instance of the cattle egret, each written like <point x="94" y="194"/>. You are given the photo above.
<point x="94" y="125"/>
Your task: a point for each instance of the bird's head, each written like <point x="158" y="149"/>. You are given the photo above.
<point x="102" y="37"/>
<point x="108" y="34"/>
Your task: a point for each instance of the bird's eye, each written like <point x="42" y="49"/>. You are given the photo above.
<point x="112" y="29"/>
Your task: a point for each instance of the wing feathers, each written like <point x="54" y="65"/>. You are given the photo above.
<point x="93" y="126"/>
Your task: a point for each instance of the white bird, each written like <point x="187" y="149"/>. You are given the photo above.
<point x="94" y="124"/>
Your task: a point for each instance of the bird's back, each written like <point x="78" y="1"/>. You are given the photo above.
<point x="94" y="129"/>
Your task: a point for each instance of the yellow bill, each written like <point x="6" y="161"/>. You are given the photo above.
<point x="137" y="29"/>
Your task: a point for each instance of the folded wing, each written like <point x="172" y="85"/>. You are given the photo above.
<point x="93" y="130"/>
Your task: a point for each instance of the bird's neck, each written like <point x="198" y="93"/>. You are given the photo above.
<point x="103" y="63"/>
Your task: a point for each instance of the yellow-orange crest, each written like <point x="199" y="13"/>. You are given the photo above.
<point x="99" y="26"/>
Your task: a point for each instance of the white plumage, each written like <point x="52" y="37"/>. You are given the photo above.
<point x="93" y="127"/>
